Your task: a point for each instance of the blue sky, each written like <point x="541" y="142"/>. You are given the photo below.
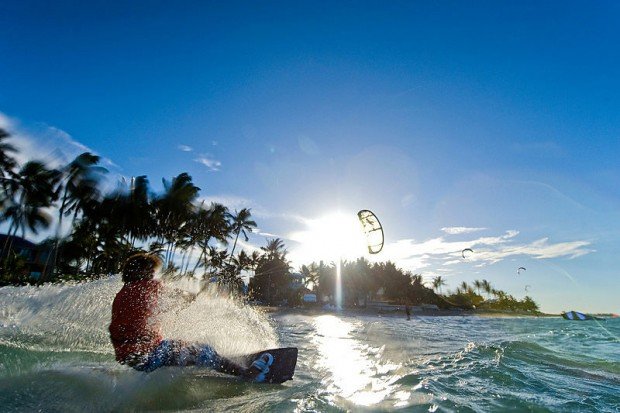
<point x="488" y="125"/>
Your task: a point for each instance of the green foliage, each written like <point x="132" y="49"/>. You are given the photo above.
<point x="466" y="297"/>
<point x="14" y="270"/>
<point x="270" y="283"/>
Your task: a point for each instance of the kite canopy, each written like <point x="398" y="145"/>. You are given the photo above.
<point x="577" y="316"/>
<point x="372" y="230"/>
<point x="520" y="269"/>
<point x="466" y="250"/>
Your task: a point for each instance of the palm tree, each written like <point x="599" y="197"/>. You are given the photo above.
<point x="417" y="281"/>
<point x="31" y="192"/>
<point x="138" y="210"/>
<point x="478" y="285"/>
<point x="209" y="224"/>
<point x="241" y="224"/>
<point x="486" y="287"/>
<point x="79" y="182"/>
<point x="217" y="258"/>
<point x="255" y="259"/>
<point x="438" y="282"/>
<point x="274" y="249"/>
<point x="79" y="185"/>
<point x="7" y="162"/>
<point x="241" y="261"/>
<point x="174" y="209"/>
<point x="310" y="274"/>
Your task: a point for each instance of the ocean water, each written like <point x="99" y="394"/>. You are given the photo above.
<point x="55" y="356"/>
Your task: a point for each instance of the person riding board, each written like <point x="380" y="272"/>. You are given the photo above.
<point x="136" y="333"/>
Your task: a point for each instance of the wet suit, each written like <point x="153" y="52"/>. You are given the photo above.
<point x="137" y="338"/>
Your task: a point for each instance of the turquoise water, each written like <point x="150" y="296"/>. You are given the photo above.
<point x="55" y="356"/>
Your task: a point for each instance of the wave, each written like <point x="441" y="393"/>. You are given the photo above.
<point x="517" y="374"/>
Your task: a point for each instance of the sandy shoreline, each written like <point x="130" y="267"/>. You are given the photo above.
<point x="313" y="311"/>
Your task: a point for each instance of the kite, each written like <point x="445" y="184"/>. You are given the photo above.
<point x="372" y="230"/>
<point x="520" y="269"/>
<point x="466" y="249"/>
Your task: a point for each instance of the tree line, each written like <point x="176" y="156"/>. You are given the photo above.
<point x="363" y="282"/>
<point x="191" y="236"/>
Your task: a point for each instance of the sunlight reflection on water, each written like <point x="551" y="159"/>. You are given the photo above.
<point x="355" y="369"/>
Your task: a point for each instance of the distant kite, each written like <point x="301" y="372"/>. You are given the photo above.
<point x="466" y="250"/>
<point x="520" y="269"/>
<point x="372" y="230"/>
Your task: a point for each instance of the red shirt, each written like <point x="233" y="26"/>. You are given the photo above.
<point x="134" y="330"/>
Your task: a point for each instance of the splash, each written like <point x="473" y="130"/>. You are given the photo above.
<point x="222" y="322"/>
<point x="75" y="317"/>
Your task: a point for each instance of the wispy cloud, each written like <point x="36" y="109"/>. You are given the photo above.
<point x="267" y="234"/>
<point x="438" y="252"/>
<point x="45" y="142"/>
<point x="53" y="146"/>
<point x="185" y="148"/>
<point x="538" y="249"/>
<point x="460" y="230"/>
<point x="209" y="162"/>
<point x="231" y="201"/>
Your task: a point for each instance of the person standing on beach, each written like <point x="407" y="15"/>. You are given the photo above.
<point x="136" y="334"/>
<point x="408" y="312"/>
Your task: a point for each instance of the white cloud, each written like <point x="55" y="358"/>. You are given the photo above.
<point x="185" y="148"/>
<point x="212" y="164"/>
<point x="437" y="253"/>
<point x="45" y="142"/>
<point x="53" y="146"/>
<point x="267" y="234"/>
<point x="231" y="201"/>
<point x="539" y="249"/>
<point x="460" y="230"/>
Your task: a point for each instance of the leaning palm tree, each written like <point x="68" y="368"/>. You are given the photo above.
<point x="438" y="282"/>
<point x="241" y="224"/>
<point x="79" y="185"/>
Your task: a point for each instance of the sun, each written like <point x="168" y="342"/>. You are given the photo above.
<point x="332" y="237"/>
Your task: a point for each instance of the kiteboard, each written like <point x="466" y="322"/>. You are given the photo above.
<point x="282" y="368"/>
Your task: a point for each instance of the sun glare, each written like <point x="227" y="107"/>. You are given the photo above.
<point x="331" y="237"/>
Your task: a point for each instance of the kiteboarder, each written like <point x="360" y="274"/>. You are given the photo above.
<point x="135" y="331"/>
<point x="408" y="312"/>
